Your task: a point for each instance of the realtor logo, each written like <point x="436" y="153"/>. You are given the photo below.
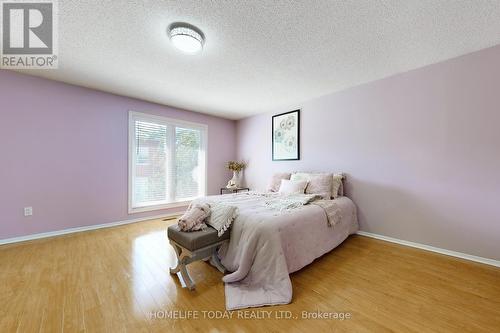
<point x="29" y="38"/>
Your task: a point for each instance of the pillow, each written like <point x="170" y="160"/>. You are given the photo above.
<point x="221" y="217"/>
<point x="341" y="189"/>
<point x="300" y="176"/>
<point x="192" y="219"/>
<point x="320" y="185"/>
<point x="274" y="185"/>
<point x="337" y="185"/>
<point x="292" y="186"/>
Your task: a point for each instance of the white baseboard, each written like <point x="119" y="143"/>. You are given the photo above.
<point x="465" y="256"/>
<point x="81" y="229"/>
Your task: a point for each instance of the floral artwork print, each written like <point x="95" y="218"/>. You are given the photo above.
<point x="286" y="136"/>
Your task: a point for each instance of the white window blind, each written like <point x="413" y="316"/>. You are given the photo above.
<point x="166" y="162"/>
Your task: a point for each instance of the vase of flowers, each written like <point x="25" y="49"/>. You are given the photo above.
<point x="236" y="167"/>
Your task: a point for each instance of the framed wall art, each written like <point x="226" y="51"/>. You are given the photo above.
<point x="286" y="136"/>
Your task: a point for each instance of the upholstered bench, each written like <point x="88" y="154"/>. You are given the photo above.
<point x="193" y="246"/>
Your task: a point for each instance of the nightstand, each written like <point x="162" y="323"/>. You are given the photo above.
<point x="233" y="190"/>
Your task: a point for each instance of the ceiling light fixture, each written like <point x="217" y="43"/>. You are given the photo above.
<point x="186" y="37"/>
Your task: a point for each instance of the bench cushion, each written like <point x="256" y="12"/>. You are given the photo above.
<point x="195" y="240"/>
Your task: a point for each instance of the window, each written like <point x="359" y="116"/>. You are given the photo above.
<point x="167" y="159"/>
<point x="143" y="155"/>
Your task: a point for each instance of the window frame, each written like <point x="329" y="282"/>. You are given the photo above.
<point x="132" y="117"/>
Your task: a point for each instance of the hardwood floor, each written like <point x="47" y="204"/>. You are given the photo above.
<point x="117" y="280"/>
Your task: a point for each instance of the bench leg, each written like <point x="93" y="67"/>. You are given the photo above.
<point x="187" y="279"/>
<point x="178" y="252"/>
<point x="214" y="261"/>
<point x="181" y="267"/>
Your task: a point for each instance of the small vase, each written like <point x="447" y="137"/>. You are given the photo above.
<point x="235" y="181"/>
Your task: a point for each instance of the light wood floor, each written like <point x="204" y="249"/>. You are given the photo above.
<point x="111" y="280"/>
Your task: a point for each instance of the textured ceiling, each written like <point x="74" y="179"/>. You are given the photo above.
<point x="260" y="55"/>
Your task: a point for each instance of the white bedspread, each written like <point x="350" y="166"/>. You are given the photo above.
<point x="267" y="244"/>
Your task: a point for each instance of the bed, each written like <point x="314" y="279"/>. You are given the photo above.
<point x="271" y="238"/>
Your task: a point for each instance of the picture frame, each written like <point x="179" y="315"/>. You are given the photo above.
<point x="286" y="136"/>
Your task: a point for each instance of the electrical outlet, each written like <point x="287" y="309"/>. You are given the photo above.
<point x="28" y="211"/>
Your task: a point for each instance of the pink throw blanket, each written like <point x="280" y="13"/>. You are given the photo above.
<point x="193" y="219"/>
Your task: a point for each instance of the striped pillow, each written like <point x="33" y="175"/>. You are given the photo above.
<point x="221" y="217"/>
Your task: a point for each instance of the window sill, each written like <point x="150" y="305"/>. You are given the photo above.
<point x="135" y="210"/>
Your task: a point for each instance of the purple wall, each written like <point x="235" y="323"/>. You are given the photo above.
<point x="421" y="150"/>
<point x="64" y="152"/>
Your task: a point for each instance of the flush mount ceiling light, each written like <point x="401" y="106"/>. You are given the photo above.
<point x="186" y="37"/>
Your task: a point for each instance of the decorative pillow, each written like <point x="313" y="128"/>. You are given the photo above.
<point x="274" y="185"/>
<point x="300" y="176"/>
<point x="221" y="217"/>
<point x="337" y="185"/>
<point x="192" y="219"/>
<point x="320" y="185"/>
<point x="341" y="189"/>
<point x="292" y="186"/>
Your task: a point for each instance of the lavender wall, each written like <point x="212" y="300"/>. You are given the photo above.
<point x="421" y="150"/>
<point x="64" y="152"/>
